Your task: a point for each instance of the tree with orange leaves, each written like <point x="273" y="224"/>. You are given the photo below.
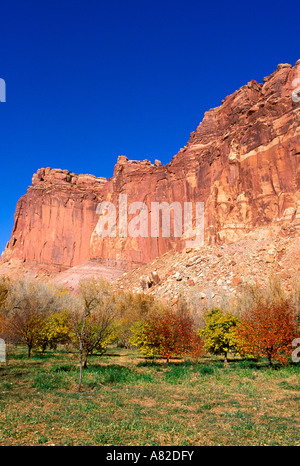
<point x="268" y="331"/>
<point x="168" y="334"/>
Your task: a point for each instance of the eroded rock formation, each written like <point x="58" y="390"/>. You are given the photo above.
<point x="242" y="162"/>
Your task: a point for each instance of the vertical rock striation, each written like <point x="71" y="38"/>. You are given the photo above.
<point x="242" y="162"/>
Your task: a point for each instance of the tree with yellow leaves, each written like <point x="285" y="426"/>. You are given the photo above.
<point x="171" y="333"/>
<point x="93" y="321"/>
<point x="219" y="332"/>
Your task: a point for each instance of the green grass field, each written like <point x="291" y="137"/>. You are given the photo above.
<point x="126" y="400"/>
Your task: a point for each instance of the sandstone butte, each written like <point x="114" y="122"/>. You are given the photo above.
<point x="242" y="162"/>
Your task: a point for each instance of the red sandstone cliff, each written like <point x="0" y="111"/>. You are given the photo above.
<point x="242" y="162"/>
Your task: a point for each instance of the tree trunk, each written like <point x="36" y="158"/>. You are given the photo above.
<point x="270" y="362"/>
<point x="81" y="348"/>
<point x="85" y="361"/>
<point x="225" y="359"/>
<point x="80" y="366"/>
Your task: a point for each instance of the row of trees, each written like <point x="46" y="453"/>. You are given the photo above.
<point x="259" y="322"/>
<point x="260" y="332"/>
<point x="43" y="315"/>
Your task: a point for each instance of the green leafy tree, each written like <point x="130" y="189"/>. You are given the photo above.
<point x="219" y="332"/>
<point x="144" y="336"/>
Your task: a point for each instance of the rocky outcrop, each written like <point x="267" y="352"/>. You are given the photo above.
<point x="242" y="162"/>
<point x="54" y="220"/>
<point x="212" y="273"/>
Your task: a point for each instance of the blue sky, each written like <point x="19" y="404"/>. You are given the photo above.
<point x="89" y="80"/>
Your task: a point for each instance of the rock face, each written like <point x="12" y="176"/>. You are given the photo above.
<point x="242" y="162"/>
<point x="54" y="220"/>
